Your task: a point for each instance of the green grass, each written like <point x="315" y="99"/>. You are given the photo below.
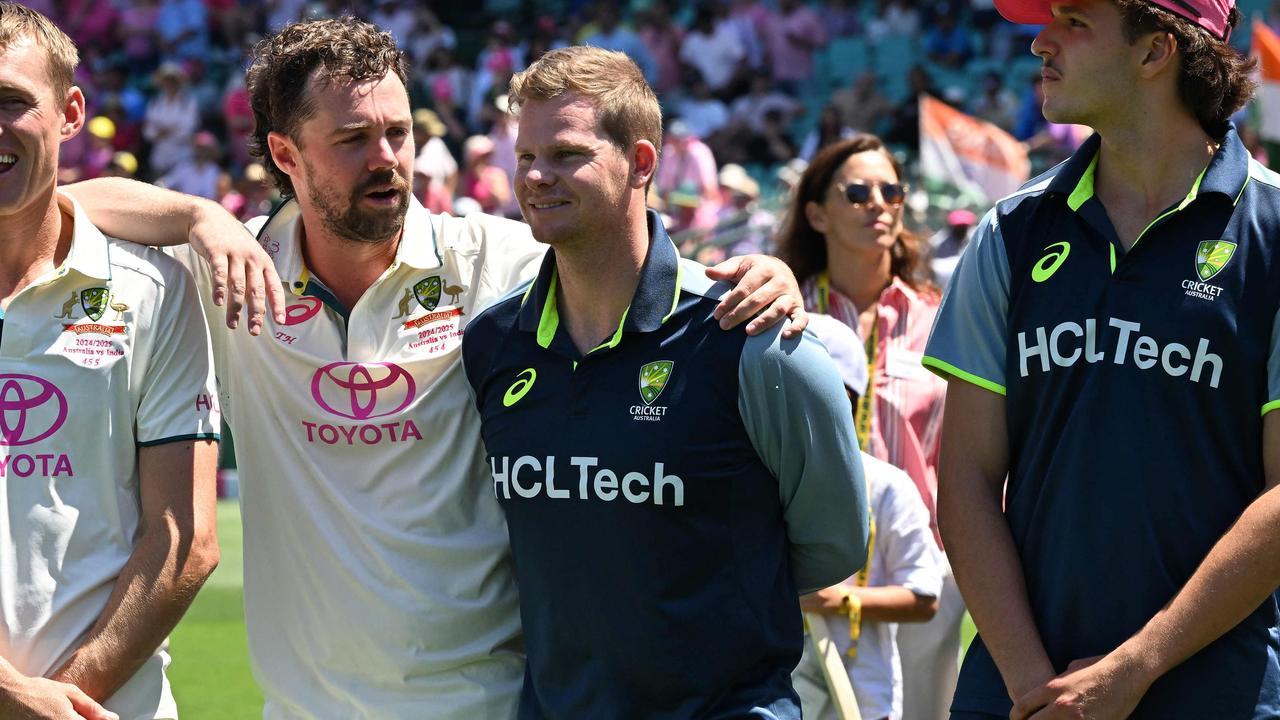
<point x="210" y="670"/>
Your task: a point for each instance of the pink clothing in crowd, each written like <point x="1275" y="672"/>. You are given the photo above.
<point x="688" y="166"/>
<point x="790" y="40"/>
<point x="906" y="423"/>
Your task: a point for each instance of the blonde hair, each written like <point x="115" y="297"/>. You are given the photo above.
<point x="19" y="23"/>
<point x="609" y="80"/>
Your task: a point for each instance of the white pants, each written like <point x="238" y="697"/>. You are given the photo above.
<point x="929" y="654"/>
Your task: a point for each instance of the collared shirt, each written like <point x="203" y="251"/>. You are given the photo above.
<point x="377" y="573"/>
<point x="97" y="359"/>
<point x="667" y="493"/>
<point x="1134" y="387"/>
<point x="906" y="424"/>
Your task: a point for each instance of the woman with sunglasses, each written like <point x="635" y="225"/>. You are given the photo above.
<point x="846" y="244"/>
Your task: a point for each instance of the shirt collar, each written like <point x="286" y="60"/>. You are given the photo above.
<point x="281" y="235"/>
<point x="1226" y="174"/>
<point x="88" y="254"/>
<point x="654" y="301"/>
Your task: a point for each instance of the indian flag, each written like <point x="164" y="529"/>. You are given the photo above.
<point x="971" y="154"/>
<point x="1266" y="47"/>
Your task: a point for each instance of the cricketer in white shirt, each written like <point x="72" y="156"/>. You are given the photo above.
<point x="378" y="578"/>
<point x="97" y="359"/>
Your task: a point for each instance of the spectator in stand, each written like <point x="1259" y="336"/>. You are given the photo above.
<point x="748" y="18"/>
<point x="182" y="27"/>
<point x="703" y="113"/>
<point x="862" y="105"/>
<point x="791" y="37"/>
<point x="905" y="129"/>
<point x="751" y="108"/>
<point x="843" y="18"/>
<point x="434" y="158"/>
<point x="90" y="23"/>
<point x="897" y="18"/>
<point x="747" y="226"/>
<point x="283" y="12"/>
<point x="501" y="57"/>
<point x="449" y="84"/>
<point x="199" y="175"/>
<point x="171" y="120"/>
<point x="946" y="245"/>
<point x="480" y="180"/>
<point x="135" y="32"/>
<point x="98" y="154"/>
<point x="431" y="34"/>
<point x="611" y="34"/>
<point x="237" y="115"/>
<point x="396" y="17"/>
<point x="688" y="168"/>
<point x="712" y="48"/>
<point x="662" y="39"/>
<point x="947" y="42"/>
<point x="772" y="145"/>
<point x="845" y="241"/>
<point x="502" y="134"/>
<point x="123" y="164"/>
<point x="831" y="128"/>
<point x="995" y="104"/>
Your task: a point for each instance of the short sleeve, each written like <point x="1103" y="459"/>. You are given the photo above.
<point x="911" y="558"/>
<point x="178" y="394"/>
<point x="971" y="331"/>
<point x="799" y="419"/>
<point x="1273" y="368"/>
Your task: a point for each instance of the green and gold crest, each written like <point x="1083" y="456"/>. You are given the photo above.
<point x="653" y="379"/>
<point x="427" y="290"/>
<point x="1212" y="256"/>
<point x="94" y="302"/>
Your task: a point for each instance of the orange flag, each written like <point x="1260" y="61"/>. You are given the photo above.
<point x="971" y="154"/>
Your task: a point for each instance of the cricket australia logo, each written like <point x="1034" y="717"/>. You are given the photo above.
<point x="94" y="302"/>
<point x="1211" y="257"/>
<point x="427" y="290"/>
<point x="653" y="380"/>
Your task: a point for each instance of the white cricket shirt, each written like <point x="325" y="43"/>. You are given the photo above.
<point x="378" y="580"/>
<point x="97" y="358"/>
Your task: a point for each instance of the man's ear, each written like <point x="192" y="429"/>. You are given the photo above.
<point x="1159" y="52"/>
<point x="72" y="114"/>
<point x="284" y="152"/>
<point x="644" y="163"/>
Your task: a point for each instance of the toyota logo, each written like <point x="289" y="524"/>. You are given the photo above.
<point x="301" y="311"/>
<point x="362" y="391"/>
<point x="31" y="409"/>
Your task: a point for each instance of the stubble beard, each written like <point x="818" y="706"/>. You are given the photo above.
<point x="347" y="220"/>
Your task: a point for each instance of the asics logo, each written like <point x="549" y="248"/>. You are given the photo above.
<point x="520" y="388"/>
<point x="1055" y="255"/>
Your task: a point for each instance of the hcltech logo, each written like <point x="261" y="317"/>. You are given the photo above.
<point x="653" y="380"/>
<point x="1211" y="257"/>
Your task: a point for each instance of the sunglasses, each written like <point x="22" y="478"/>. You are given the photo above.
<point x="860" y="193"/>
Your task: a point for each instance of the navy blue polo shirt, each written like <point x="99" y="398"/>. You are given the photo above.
<point x="1135" y="385"/>
<point x="668" y="495"/>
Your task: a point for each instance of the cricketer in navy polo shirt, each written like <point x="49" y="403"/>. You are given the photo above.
<point x="1135" y="385"/>
<point x="669" y="495"/>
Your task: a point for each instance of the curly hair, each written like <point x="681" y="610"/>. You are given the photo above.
<point x="804" y="249"/>
<point x="1214" y="81"/>
<point x="280" y="79"/>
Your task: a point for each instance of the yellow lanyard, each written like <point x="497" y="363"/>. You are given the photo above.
<point x="866" y="402"/>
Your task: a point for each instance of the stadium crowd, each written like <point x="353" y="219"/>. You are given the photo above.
<point x="752" y="87"/>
